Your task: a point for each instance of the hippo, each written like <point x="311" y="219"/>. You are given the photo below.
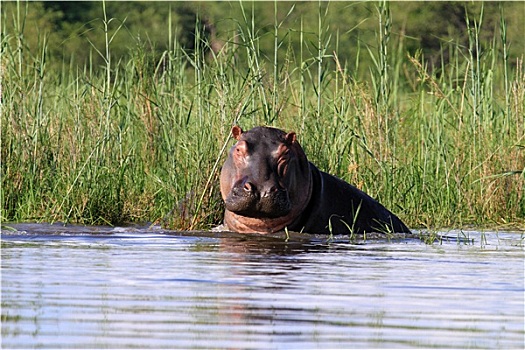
<point x="268" y="185"/>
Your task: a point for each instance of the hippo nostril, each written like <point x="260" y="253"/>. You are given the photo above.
<point x="274" y="191"/>
<point x="248" y="187"/>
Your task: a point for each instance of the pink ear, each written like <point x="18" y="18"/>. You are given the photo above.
<point x="236" y="132"/>
<point x="290" y="138"/>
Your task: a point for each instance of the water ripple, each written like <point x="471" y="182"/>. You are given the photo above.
<point x="142" y="287"/>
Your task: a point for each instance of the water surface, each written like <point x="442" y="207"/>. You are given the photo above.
<point x="144" y="287"/>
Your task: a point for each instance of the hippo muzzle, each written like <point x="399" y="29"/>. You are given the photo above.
<point x="250" y="200"/>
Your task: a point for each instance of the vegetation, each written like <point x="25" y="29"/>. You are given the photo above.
<point x="111" y="124"/>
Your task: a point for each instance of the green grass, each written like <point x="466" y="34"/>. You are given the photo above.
<point x="142" y="138"/>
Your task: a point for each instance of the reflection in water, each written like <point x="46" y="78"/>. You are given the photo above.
<point x="71" y="287"/>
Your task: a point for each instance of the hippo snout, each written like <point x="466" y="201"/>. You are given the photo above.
<point x="258" y="201"/>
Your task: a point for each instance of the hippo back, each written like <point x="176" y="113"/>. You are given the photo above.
<point x="338" y="207"/>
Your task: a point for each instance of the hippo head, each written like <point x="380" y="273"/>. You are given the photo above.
<point x="265" y="181"/>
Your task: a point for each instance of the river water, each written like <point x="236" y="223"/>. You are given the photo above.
<point x="145" y="287"/>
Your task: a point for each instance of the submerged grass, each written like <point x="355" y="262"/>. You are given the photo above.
<point x="142" y="139"/>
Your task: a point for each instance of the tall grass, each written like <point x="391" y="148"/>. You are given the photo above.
<point x="142" y="138"/>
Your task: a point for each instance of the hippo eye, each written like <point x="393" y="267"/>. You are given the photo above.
<point x="240" y="150"/>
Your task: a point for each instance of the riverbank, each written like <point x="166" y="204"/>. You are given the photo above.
<point x="142" y="140"/>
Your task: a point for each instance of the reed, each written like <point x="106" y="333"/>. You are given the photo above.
<point x="141" y="139"/>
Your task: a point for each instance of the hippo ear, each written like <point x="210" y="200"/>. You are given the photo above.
<point x="236" y="132"/>
<point x="290" y="138"/>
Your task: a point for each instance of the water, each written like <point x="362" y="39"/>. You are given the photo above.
<point x="99" y="287"/>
